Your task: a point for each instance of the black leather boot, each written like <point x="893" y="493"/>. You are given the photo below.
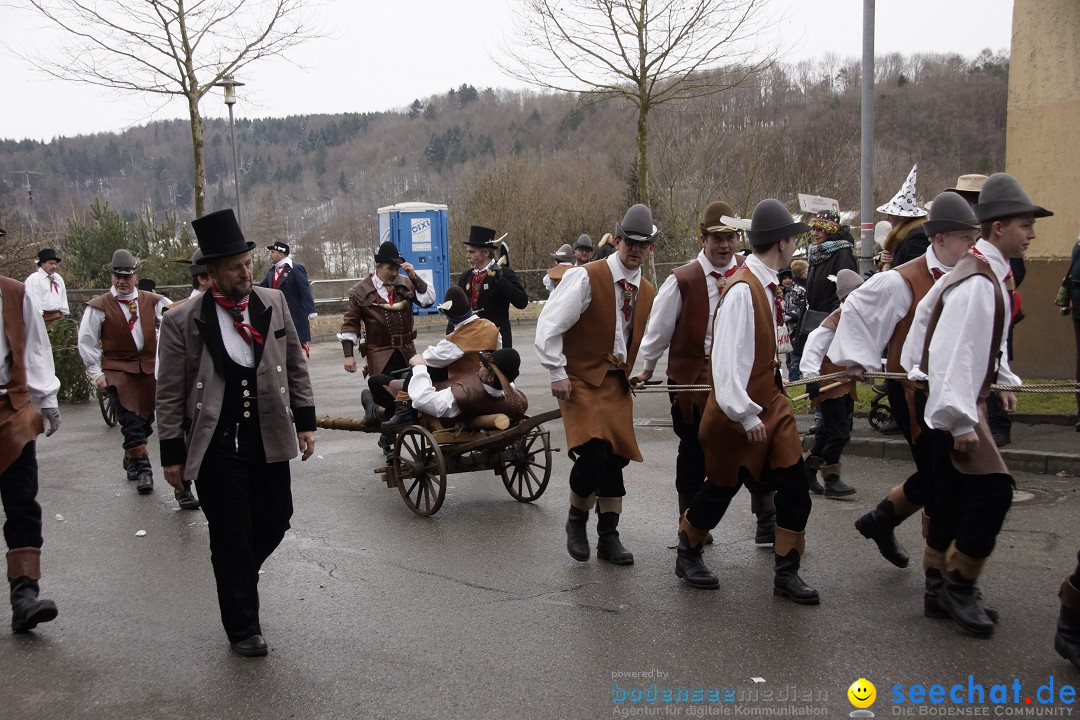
<point x="878" y="525"/>
<point x="786" y="581"/>
<point x="691" y="568"/>
<point x="132" y="474"/>
<point x="764" y="508"/>
<point x="608" y="546"/>
<point x="813" y="462"/>
<point x="577" y="538"/>
<point x="144" y="472"/>
<point x="27" y="609"/>
<point x="186" y="499"/>
<point x="371" y="410"/>
<point x="1067" y="637"/>
<point x="932" y="605"/>
<point x="835" y="488"/>
<point x="404" y="415"/>
<point x="960" y="598"/>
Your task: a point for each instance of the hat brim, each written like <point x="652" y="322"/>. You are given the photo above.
<point x="124" y="272"/>
<point x="933" y="227"/>
<point x="229" y="253"/>
<point x="966" y="193"/>
<point x="735" y="223"/>
<point x="998" y="209"/>
<point x="720" y="228"/>
<point x="768" y="237"/>
<point x="888" y="209"/>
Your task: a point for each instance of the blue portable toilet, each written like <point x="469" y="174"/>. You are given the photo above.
<point x="421" y="233"/>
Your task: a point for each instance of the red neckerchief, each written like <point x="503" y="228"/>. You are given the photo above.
<point x="478" y="278"/>
<point x="278" y="272"/>
<point x="132" y="308"/>
<point x="386" y="288"/>
<point x="53" y="285"/>
<point x="778" y="303"/>
<point x="236" y="312"/>
<point x="721" y="277"/>
<point x="628" y="291"/>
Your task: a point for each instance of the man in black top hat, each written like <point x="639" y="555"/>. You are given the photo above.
<point x="290" y="277"/>
<point x="491" y="288"/>
<point x="47" y="288"/>
<point x="234" y="406"/>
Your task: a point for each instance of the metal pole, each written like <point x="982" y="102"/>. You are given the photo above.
<point x="866" y="214"/>
<point x="235" y="164"/>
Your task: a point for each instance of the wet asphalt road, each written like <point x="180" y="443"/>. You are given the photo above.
<point x="373" y="612"/>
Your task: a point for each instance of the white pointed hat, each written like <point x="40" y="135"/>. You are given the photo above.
<point x="903" y="203"/>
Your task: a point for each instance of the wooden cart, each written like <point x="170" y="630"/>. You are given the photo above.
<point x="425" y="453"/>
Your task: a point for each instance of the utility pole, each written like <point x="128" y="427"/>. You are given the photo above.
<point x="29" y="197"/>
<point x="866" y="204"/>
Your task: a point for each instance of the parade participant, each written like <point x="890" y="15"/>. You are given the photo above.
<point x="906" y="240"/>
<point x="291" y="279"/>
<point x="681" y="319"/>
<point x="879" y="315"/>
<point x="490" y="287"/>
<point x="748" y="429"/>
<point x="836" y="404"/>
<point x="200" y="280"/>
<point x="959" y="334"/>
<point x="234" y="382"/>
<point x="118" y="346"/>
<point x="26" y="371"/>
<point x="564" y="259"/>
<point x="489" y="391"/>
<point x="583" y="249"/>
<point x="587" y="337"/>
<point x="794" y="307"/>
<point x="380" y="307"/>
<point x="605" y="247"/>
<point x="1067" y="636"/>
<point x="47" y="288"/>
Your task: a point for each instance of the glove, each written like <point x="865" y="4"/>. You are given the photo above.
<point x="813" y="390"/>
<point x="52" y="417"/>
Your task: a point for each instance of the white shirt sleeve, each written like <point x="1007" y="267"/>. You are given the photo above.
<point x="350" y="336"/>
<point x="959" y="350"/>
<point x="90" y="340"/>
<point x="568" y="301"/>
<point x="733" y="356"/>
<point x="41" y="378"/>
<point x="549" y="284"/>
<point x="911" y="354"/>
<point x="425" y="398"/>
<point x="665" y="311"/>
<point x="816" y="347"/>
<point x="442" y="354"/>
<point x="871" y="314"/>
<point x="63" y="296"/>
<point x="426" y="298"/>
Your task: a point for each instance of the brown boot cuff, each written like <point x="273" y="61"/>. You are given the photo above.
<point x="1070" y="596"/>
<point x="695" y="536"/>
<point x="788" y="540"/>
<point x="582" y="503"/>
<point x="901" y="504"/>
<point x="814" y="462"/>
<point x="136" y="452"/>
<point x="24" y="562"/>
<point x="827" y="470"/>
<point x="969" y="568"/>
<point x="933" y="559"/>
<point x="609" y="504"/>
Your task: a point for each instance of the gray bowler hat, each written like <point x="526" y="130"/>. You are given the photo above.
<point x="123" y="263"/>
<point x="565" y="253"/>
<point x="1001" y="196"/>
<point x="949" y="212"/>
<point x="636" y="225"/>
<point x="771" y="222"/>
<point x="583" y="241"/>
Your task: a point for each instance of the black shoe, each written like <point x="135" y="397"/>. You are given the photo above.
<point x="577" y="538"/>
<point x="836" y="488"/>
<point x="186" y="499"/>
<point x="960" y="598"/>
<point x="254" y="646"/>
<point x="130" y="469"/>
<point x="27" y="609"/>
<point x="891" y="427"/>
<point x="814" y="427"/>
<point x="932" y="606"/>
<point x="403" y="417"/>
<point x="812" y="480"/>
<point x="608" y="545"/>
<point x="145" y="482"/>
<point x="1076" y="427"/>
<point x="371" y="410"/>
<point x="1001" y="439"/>
<point x="690" y="567"/>
<point x="787" y="583"/>
<point x="878" y="525"/>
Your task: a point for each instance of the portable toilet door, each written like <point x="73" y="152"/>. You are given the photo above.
<point x="420" y="231"/>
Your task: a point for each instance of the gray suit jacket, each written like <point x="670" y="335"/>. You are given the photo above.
<point x="191" y="381"/>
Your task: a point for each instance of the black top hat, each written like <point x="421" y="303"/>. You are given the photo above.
<point x="507" y="360"/>
<point x="219" y="235"/>
<point x="388" y="253"/>
<point x="279" y="246"/>
<point x="123" y="263"/>
<point x="636" y="225"/>
<point x="456" y="304"/>
<point x="43" y="254"/>
<point x="1002" y="196"/>
<point x="480" y="236"/>
<point x="949" y="212"/>
<point x="196" y="268"/>
<point x="147" y="284"/>
<point x="771" y="222"/>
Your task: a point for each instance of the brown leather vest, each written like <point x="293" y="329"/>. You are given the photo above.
<point x="472" y="400"/>
<point x="15" y="330"/>
<point x="919" y="279"/>
<point x="765" y="381"/>
<point x="118" y="350"/>
<point x="589" y="342"/>
<point x="383" y="328"/>
<point x="687" y="359"/>
<point x="557" y="272"/>
<point x="473" y="338"/>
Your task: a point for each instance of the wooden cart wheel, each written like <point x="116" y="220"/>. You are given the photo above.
<point x="419" y="470"/>
<point x="526" y="476"/>
<point x="108" y="407"/>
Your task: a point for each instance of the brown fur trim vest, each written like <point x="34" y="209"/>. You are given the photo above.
<point x="118" y="350"/>
<point x="472" y="400"/>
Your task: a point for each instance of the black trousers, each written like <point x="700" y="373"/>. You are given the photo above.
<point x="134" y="428"/>
<point x="968" y="509"/>
<point x="999" y="420"/>
<point x="690" y="462"/>
<point x="918" y="487"/>
<point x="835" y="432"/>
<point x="18" y="491"/>
<point x="597" y="470"/>
<point x="792" y="498"/>
<point x="248" y="504"/>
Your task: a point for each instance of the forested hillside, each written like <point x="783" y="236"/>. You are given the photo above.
<point x="542" y="167"/>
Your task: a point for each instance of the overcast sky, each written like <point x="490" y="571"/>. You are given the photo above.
<point x="380" y="55"/>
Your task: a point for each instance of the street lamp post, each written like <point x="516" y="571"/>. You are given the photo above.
<point x="230" y="85"/>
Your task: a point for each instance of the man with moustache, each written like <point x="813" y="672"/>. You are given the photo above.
<point x="234" y="406"/>
<point x="490" y="287"/>
<point x="587" y="337"/>
<point x="47" y="288"/>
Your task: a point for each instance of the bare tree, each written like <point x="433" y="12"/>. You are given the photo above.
<point x="647" y="53"/>
<point x="168" y="47"/>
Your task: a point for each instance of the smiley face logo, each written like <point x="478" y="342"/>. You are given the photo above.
<point x="862" y="693"/>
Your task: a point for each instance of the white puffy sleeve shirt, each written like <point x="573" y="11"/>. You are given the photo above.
<point x="41" y="379"/>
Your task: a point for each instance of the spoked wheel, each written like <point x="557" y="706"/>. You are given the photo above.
<point x="526" y="475"/>
<point x="108" y="407"/>
<point x="419" y="470"/>
<point x="879" y="417"/>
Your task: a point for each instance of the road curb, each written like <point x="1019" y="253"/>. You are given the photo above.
<point x="1023" y="460"/>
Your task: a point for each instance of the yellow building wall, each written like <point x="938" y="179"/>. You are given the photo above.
<point x="1042" y="150"/>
